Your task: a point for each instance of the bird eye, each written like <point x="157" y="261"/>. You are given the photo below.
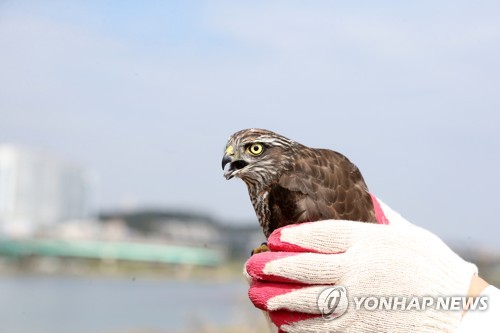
<point x="255" y="149"/>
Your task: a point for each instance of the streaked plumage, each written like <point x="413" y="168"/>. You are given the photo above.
<point x="291" y="183"/>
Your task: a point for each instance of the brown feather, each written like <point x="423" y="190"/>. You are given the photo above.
<point x="291" y="183"/>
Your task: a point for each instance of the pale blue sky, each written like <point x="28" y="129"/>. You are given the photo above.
<point x="145" y="94"/>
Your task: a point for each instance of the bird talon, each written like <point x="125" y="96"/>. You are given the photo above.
<point x="262" y="248"/>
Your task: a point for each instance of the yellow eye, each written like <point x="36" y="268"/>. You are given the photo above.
<point x="255" y="149"/>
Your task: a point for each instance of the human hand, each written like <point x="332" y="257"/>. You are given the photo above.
<point x="368" y="260"/>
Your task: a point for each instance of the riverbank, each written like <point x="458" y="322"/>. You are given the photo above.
<point x="53" y="266"/>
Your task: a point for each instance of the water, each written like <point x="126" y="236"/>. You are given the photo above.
<point x="99" y="305"/>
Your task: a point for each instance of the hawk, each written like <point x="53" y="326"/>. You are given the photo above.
<point x="290" y="183"/>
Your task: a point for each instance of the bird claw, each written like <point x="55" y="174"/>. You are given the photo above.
<point x="262" y="248"/>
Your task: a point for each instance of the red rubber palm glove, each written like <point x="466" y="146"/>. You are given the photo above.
<point x="367" y="259"/>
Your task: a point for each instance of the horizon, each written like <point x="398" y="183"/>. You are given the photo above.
<point x="145" y="95"/>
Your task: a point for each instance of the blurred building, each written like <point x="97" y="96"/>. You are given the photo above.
<point x="190" y="229"/>
<point x="38" y="190"/>
<point x="175" y="227"/>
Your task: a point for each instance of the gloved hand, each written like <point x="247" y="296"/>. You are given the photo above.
<point x="366" y="259"/>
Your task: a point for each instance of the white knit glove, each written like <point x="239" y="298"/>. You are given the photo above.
<point x="366" y="259"/>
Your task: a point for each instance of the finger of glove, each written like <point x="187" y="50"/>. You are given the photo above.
<point x="262" y="293"/>
<point x="256" y="266"/>
<point x="302" y="268"/>
<point x="303" y="323"/>
<point x="284" y="319"/>
<point x="271" y="296"/>
<point x="329" y="236"/>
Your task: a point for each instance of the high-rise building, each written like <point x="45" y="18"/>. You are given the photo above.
<point x="37" y="189"/>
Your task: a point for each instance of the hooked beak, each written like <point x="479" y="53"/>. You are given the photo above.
<point x="225" y="160"/>
<point x="234" y="165"/>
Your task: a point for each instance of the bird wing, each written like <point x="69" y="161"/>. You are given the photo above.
<point x="321" y="184"/>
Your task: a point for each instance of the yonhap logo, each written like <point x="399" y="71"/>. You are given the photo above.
<point x="332" y="302"/>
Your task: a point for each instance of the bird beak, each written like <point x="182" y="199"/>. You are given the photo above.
<point x="234" y="163"/>
<point x="225" y="160"/>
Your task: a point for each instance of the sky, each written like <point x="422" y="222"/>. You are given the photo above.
<point x="145" y="95"/>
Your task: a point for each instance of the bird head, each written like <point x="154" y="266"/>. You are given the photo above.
<point x="257" y="156"/>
